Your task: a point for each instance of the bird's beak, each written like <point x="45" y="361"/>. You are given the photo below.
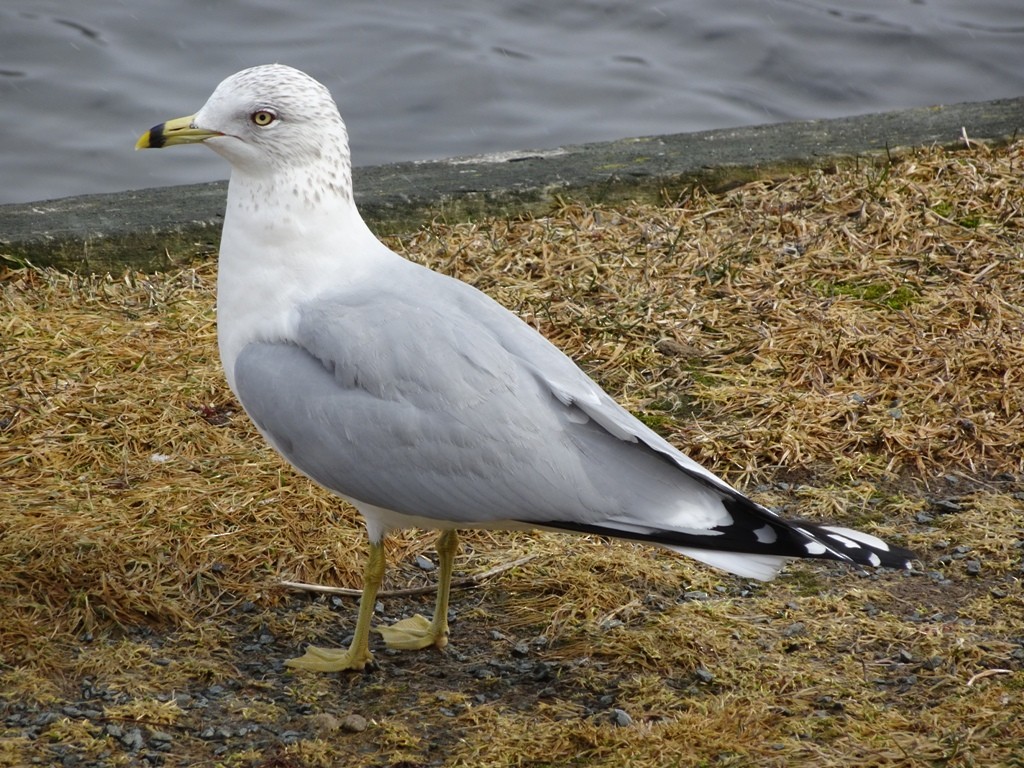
<point x="181" y="130"/>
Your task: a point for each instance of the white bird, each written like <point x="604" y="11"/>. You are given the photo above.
<point x="420" y="400"/>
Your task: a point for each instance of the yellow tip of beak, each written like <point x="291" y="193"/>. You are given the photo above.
<point x="181" y="130"/>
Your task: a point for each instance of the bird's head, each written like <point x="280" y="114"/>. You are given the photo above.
<point x="263" y="120"/>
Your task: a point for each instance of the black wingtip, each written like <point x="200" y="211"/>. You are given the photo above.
<point x="856" y="546"/>
<point x="755" y="530"/>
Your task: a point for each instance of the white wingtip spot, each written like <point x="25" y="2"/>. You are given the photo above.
<point x="864" y="538"/>
<point x="815" y="548"/>
<point x="875" y="559"/>
<point x="848" y="543"/>
<point x="766" y="535"/>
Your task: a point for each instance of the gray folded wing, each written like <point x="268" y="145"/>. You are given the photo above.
<point x="425" y="397"/>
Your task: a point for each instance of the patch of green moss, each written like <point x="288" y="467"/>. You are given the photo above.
<point x="883" y="294"/>
<point x="666" y="412"/>
<point x="804" y="582"/>
<point x="702" y="377"/>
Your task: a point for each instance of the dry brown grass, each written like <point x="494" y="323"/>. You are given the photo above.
<point x="846" y="345"/>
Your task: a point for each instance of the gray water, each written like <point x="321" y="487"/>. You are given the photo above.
<point x="80" y="81"/>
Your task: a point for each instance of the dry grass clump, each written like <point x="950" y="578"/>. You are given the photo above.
<point x="847" y="345"/>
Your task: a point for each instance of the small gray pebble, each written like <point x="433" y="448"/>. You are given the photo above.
<point x="621" y="718"/>
<point x="133" y="740"/>
<point x="354" y="723"/>
<point x="794" y="629"/>
<point x="45" y="718"/>
<point x="703" y="675"/>
<point x="541" y="672"/>
<point x="424" y="563"/>
<point x="973" y="567"/>
<point x="323" y="724"/>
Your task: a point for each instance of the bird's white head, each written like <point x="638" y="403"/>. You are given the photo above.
<point x="272" y="123"/>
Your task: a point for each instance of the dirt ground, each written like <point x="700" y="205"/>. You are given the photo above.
<point x="847" y="345"/>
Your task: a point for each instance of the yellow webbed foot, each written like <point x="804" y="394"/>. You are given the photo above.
<point x="331" y="659"/>
<point x="415" y="633"/>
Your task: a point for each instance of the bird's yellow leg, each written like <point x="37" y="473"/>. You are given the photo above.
<point x="357" y="655"/>
<point x="417" y="632"/>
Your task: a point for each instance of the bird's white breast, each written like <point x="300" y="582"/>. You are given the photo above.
<point x="277" y="252"/>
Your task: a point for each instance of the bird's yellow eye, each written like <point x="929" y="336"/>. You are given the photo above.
<point x="263" y="117"/>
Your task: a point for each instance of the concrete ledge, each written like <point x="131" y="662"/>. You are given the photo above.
<point x="157" y="228"/>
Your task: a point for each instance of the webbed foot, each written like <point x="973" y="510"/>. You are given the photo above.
<point x="415" y="633"/>
<point x="331" y="659"/>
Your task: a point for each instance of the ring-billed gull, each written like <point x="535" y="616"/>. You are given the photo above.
<point x="419" y="399"/>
